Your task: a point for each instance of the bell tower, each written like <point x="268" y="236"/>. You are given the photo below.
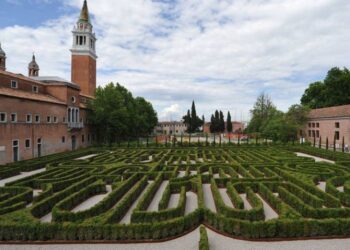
<point x="33" y="68"/>
<point x="2" y="59"/>
<point x="84" y="54"/>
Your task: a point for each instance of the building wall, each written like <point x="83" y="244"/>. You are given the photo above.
<point x="51" y="134"/>
<point x="325" y="127"/>
<point x="170" y="128"/>
<point x="84" y="73"/>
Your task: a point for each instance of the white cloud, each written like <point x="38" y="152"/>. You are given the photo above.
<point x="221" y="53"/>
<point x="170" y="113"/>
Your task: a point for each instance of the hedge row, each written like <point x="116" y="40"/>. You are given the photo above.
<point x="203" y="238"/>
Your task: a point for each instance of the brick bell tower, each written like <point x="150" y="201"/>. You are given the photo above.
<point x="84" y="54"/>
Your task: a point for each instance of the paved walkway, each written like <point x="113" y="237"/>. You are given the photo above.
<point x="317" y="159"/>
<point x="21" y="176"/>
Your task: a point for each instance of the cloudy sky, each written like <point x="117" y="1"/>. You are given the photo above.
<point x="220" y="53"/>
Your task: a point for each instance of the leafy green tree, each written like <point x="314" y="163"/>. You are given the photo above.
<point x="333" y="91"/>
<point x="212" y="124"/>
<point x="229" y="123"/>
<point x="262" y="111"/>
<point x="116" y="115"/>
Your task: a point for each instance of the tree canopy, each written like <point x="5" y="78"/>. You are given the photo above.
<point x="192" y="121"/>
<point x="333" y="91"/>
<point x="273" y="124"/>
<point x="117" y="115"/>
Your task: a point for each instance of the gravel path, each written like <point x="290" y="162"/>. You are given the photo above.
<point x="269" y="212"/>
<point x="225" y="197"/>
<point x="219" y="242"/>
<point x="317" y="159"/>
<point x="21" y="176"/>
<point x="193" y="172"/>
<point x="208" y="197"/>
<point x="92" y="200"/>
<point x="247" y="205"/>
<point x="127" y="217"/>
<point x="85" y="157"/>
<point x="191" y="202"/>
<point x="340" y="189"/>
<point x="322" y="185"/>
<point x="181" y="174"/>
<point x="46" y="218"/>
<point x="157" y="197"/>
<point x="174" y="200"/>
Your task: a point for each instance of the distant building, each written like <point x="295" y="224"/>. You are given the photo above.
<point x="332" y="123"/>
<point x="237" y="127"/>
<point x="41" y="115"/>
<point x="170" y="128"/>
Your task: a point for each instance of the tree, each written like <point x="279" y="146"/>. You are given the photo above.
<point x="192" y="120"/>
<point x="212" y="124"/>
<point x="229" y="123"/>
<point x="221" y="122"/>
<point x="333" y="91"/>
<point x="262" y="111"/>
<point x="116" y="114"/>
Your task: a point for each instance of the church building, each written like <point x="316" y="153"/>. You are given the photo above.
<point x="41" y="115"/>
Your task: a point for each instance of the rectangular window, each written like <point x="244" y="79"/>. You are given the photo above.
<point x="337" y="135"/>
<point x="48" y="119"/>
<point x="337" y="125"/>
<point x="27" y="143"/>
<point x="35" y="89"/>
<point x="309" y="133"/>
<point x="317" y="125"/>
<point x="317" y="133"/>
<point x="313" y="124"/>
<point x="83" y="138"/>
<point x="313" y="133"/>
<point x="3" y="117"/>
<point x="55" y="119"/>
<point x="14" y="84"/>
<point x="13" y="117"/>
<point x="37" y="118"/>
<point x="29" y="118"/>
<point x="63" y="139"/>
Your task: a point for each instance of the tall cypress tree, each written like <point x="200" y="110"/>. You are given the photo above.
<point x="194" y="121"/>
<point x="212" y="124"/>
<point x="229" y="123"/>
<point x="222" y="122"/>
<point x="217" y="121"/>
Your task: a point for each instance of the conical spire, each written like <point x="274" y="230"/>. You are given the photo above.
<point x="84" y="14"/>
<point x="33" y="64"/>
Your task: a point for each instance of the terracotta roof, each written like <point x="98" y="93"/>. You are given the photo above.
<point x="22" y="77"/>
<point x="28" y="95"/>
<point x="336" y="111"/>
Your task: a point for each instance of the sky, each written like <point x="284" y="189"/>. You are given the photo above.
<point x="220" y="53"/>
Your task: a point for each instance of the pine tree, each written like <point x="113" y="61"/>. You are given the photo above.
<point x="229" y="123"/>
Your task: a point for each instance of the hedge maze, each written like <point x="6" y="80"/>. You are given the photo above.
<point x="136" y="194"/>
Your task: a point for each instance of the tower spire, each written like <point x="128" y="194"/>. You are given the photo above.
<point x="84" y="14"/>
<point x="33" y="67"/>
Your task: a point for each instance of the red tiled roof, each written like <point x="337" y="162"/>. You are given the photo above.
<point x="20" y="76"/>
<point x="28" y="95"/>
<point x="336" y="111"/>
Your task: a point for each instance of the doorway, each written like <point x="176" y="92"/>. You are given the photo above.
<point x="15" y="150"/>
<point x="74" y="142"/>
